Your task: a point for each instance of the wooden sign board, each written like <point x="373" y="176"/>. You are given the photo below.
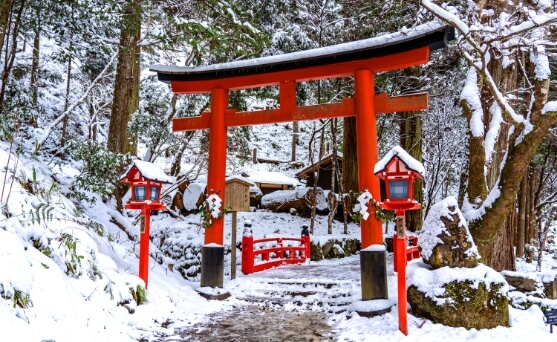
<point x="236" y="195"/>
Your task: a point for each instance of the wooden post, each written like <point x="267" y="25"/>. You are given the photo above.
<point x="233" y="246"/>
<point x="144" y="244"/>
<point x="400" y="242"/>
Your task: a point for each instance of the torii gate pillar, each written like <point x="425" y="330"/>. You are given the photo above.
<point x="212" y="269"/>
<point x="372" y="263"/>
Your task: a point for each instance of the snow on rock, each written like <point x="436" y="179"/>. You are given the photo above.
<point x="433" y="227"/>
<point x="432" y="282"/>
<point x="191" y="195"/>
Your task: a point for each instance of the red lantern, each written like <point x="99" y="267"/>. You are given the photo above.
<point x="399" y="171"/>
<point x="146" y="180"/>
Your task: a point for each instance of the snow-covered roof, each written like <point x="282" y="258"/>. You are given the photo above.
<point x="326" y="160"/>
<point x="433" y="34"/>
<point x="407" y="159"/>
<point x="270" y="177"/>
<point x="240" y="178"/>
<point x="150" y="171"/>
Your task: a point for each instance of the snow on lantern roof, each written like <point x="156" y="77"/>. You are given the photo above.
<point x="433" y="34"/>
<point x="407" y="159"/>
<point x="150" y="171"/>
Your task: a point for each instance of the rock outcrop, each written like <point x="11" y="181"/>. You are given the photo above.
<point x="451" y="287"/>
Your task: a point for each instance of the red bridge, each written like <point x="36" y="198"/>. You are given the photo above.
<point x="257" y="256"/>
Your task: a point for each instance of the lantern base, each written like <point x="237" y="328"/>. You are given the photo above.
<point x="212" y="265"/>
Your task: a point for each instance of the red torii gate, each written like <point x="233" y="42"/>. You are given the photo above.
<point x="360" y="59"/>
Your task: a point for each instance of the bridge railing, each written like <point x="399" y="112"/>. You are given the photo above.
<point x="412" y="251"/>
<point x="263" y="254"/>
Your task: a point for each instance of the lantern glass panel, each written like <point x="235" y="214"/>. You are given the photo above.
<point x="398" y="189"/>
<point x="140" y="192"/>
<point x="155" y="193"/>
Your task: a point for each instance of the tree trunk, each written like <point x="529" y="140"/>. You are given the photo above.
<point x="302" y="200"/>
<point x="295" y="129"/>
<point x="411" y="142"/>
<point x="10" y="50"/>
<point x="5" y="8"/>
<point x="349" y="157"/>
<point x="66" y="102"/>
<point x="521" y="224"/>
<point x="126" y="86"/>
<point x="36" y="58"/>
<point x="333" y="205"/>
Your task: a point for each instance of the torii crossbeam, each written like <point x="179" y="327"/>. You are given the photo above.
<point x="360" y="60"/>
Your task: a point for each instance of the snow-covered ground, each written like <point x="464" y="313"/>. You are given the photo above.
<point x="66" y="272"/>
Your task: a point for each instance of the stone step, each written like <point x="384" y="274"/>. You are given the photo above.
<point x="329" y="296"/>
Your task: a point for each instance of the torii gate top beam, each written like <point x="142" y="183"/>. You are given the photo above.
<point x="374" y="54"/>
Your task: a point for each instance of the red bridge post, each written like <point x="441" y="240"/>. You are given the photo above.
<point x="307" y="245"/>
<point x="247" y="254"/>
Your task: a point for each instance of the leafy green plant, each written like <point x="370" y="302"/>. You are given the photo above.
<point x="101" y="169"/>
<point x="19" y="298"/>
<point x="138" y="294"/>
<point x="73" y="266"/>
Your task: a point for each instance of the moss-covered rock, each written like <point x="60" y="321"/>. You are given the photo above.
<point x="335" y="248"/>
<point x="477" y="302"/>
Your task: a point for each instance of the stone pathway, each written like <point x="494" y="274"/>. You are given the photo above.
<point x="254" y="323"/>
<point x="282" y="304"/>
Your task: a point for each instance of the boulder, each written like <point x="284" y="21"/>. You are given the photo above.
<point x="459" y="297"/>
<point x="445" y="239"/>
<point x="521" y="282"/>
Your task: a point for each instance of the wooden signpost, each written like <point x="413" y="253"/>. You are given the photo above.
<point x="236" y="199"/>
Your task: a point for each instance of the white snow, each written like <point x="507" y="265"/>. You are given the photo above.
<point x="433" y="227"/>
<point x="375" y="248"/>
<point x="550" y="106"/>
<point x="431" y="282"/>
<point x="270" y="177"/>
<point x="150" y="171"/>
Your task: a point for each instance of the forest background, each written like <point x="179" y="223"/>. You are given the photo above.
<point x="75" y="88"/>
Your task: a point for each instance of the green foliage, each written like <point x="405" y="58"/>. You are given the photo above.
<point x="19" y="298"/>
<point x="138" y="294"/>
<point x="101" y="169"/>
<point x="73" y="265"/>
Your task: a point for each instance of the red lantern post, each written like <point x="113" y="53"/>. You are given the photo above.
<point x="146" y="181"/>
<point x="399" y="170"/>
